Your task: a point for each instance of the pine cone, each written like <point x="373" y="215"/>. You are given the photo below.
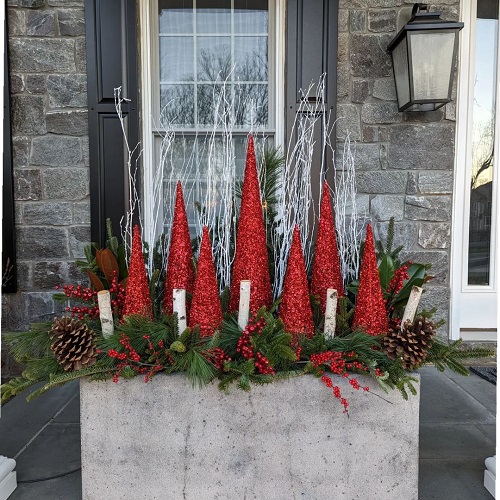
<point x="73" y="343"/>
<point x="411" y="343"/>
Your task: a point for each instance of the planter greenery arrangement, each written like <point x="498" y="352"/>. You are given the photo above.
<point x="139" y="319"/>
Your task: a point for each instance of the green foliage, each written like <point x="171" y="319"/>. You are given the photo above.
<point x="450" y="355"/>
<point x="15" y="387"/>
<point x="33" y="344"/>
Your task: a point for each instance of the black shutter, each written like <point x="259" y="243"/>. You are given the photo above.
<point x="311" y="51"/>
<point x="9" y="277"/>
<point x="111" y="36"/>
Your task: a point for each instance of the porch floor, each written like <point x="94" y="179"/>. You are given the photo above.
<point x="457" y="433"/>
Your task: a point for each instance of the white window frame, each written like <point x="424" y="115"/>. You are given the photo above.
<point x="149" y="78"/>
<point x="463" y="168"/>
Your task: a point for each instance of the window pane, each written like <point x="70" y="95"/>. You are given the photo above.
<point x="213" y="16"/>
<point x="209" y="101"/>
<point x="213" y="57"/>
<point x="176" y="59"/>
<point x="250" y="16"/>
<point x="483" y="133"/>
<point x="176" y="16"/>
<point x="177" y="105"/>
<point x="251" y="106"/>
<point x="250" y="54"/>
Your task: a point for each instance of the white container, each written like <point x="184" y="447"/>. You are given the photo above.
<point x="290" y="439"/>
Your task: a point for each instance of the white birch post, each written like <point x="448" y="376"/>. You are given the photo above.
<point x="244" y="306"/>
<point x="179" y="307"/>
<point x="105" y="313"/>
<point x="411" y="305"/>
<point x="330" y="313"/>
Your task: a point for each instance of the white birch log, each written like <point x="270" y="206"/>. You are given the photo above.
<point x="330" y="313"/>
<point x="244" y="306"/>
<point x="411" y="305"/>
<point x="105" y="313"/>
<point x="179" y="307"/>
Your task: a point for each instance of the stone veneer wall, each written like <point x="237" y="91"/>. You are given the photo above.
<point x="404" y="161"/>
<point x="48" y="85"/>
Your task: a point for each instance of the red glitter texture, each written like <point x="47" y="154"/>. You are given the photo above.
<point x="295" y="309"/>
<point x="206" y="310"/>
<point x="326" y="266"/>
<point x="180" y="273"/>
<point x="137" y="299"/>
<point x="250" y="260"/>
<point x="370" y="314"/>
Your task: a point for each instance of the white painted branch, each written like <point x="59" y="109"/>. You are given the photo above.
<point x="105" y="313"/>
<point x="244" y="306"/>
<point x="411" y="305"/>
<point x="330" y="312"/>
<point x="179" y="307"/>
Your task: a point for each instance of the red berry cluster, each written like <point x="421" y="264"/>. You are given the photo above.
<point x="217" y="357"/>
<point x="246" y="349"/>
<point x="118" y="292"/>
<point x="82" y="294"/>
<point x="338" y="363"/>
<point x="397" y="282"/>
<point x="336" y="391"/>
<point x="379" y="373"/>
<point x="262" y="365"/>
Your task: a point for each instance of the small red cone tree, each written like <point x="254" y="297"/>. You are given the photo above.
<point x="206" y="310"/>
<point x="137" y="298"/>
<point x="180" y="273"/>
<point x="370" y="314"/>
<point x="295" y="308"/>
<point x="250" y="260"/>
<point x="326" y="265"/>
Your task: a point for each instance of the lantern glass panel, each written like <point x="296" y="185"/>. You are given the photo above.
<point x="432" y="64"/>
<point x="401" y="72"/>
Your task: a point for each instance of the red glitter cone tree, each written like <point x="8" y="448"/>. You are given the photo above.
<point x="250" y="260"/>
<point x="180" y="273"/>
<point x="295" y="308"/>
<point x="326" y="265"/>
<point x="370" y="314"/>
<point x="137" y="298"/>
<point x="206" y="310"/>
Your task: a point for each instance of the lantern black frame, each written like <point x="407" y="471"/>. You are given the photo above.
<point x="422" y="20"/>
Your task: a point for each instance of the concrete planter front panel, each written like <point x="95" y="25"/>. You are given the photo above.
<point x="288" y="440"/>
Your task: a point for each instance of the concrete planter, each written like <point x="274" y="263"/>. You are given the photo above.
<point x="165" y="440"/>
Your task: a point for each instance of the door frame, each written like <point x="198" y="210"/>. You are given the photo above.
<point x="460" y="290"/>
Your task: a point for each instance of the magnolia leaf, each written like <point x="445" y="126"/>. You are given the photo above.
<point x="386" y="271"/>
<point x="107" y="264"/>
<point x="96" y="282"/>
<point x="417" y="274"/>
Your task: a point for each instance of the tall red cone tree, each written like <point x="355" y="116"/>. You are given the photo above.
<point x="370" y="314"/>
<point x="206" y="310"/>
<point x="295" y="308"/>
<point x="180" y="273"/>
<point x="250" y="260"/>
<point x="137" y="298"/>
<point x="326" y="265"/>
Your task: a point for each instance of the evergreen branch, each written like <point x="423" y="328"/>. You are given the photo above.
<point x="64" y="378"/>
<point x="14" y="387"/>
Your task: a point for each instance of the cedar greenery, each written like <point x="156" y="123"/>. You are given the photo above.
<point x="159" y="344"/>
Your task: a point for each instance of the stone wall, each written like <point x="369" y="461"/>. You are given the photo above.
<point x="48" y="86"/>
<point x="404" y="161"/>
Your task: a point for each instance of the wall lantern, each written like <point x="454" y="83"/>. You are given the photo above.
<point x="423" y="58"/>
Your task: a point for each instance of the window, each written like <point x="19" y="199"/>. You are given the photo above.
<point x="482" y="159"/>
<point x="212" y="81"/>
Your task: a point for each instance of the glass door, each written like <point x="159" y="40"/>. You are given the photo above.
<point x="474" y="303"/>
